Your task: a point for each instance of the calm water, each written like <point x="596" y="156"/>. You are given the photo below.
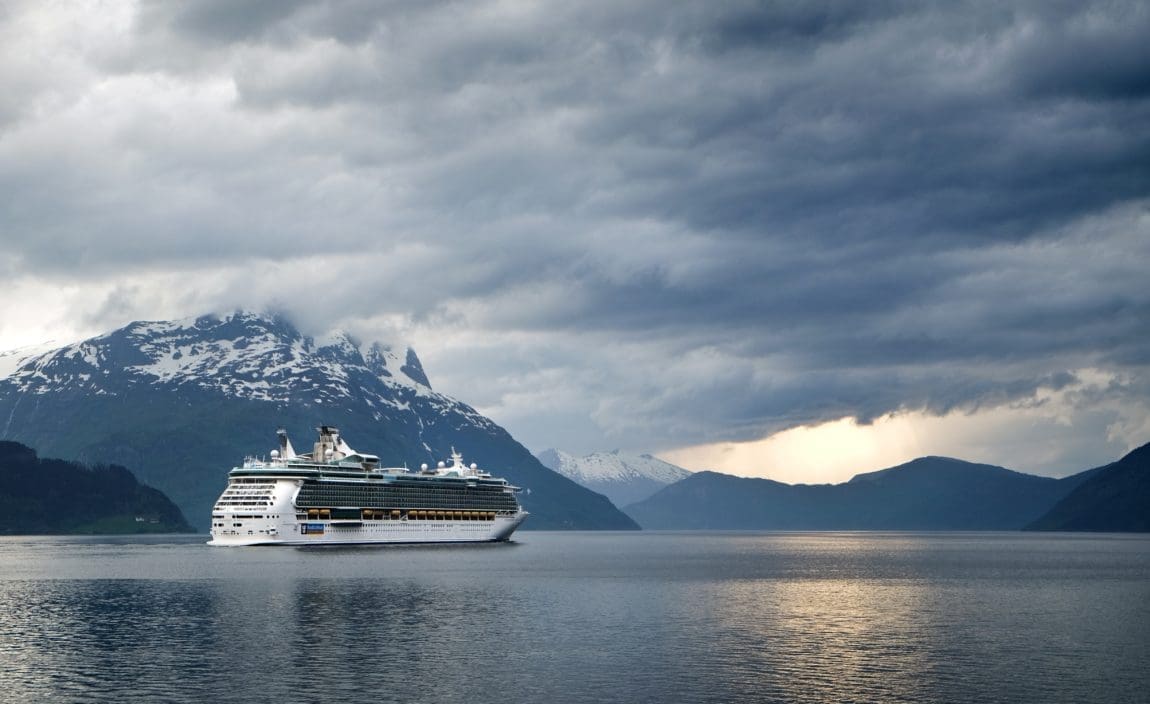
<point x="582" y="617"/>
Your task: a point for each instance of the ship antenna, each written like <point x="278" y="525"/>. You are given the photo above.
<point x="286" y="450"/>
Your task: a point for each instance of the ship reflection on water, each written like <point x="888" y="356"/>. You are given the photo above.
<point x="582" y="617"/>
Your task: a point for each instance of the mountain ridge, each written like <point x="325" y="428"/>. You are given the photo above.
<point x="928" y="493"/>
<point x="1113" y="497"/>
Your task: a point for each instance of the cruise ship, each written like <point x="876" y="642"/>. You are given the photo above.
<point x="334" y="495"/>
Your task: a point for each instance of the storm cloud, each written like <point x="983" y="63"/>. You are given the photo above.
<point x="631" y="224"/>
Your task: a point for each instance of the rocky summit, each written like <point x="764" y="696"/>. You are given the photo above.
<point x="623" y="478"/>
<point x="181" y="402"/>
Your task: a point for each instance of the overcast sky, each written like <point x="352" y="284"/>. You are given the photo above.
<point x="681" y="228"/>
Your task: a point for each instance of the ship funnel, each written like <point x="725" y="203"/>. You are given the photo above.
<point x="328" y="446"/>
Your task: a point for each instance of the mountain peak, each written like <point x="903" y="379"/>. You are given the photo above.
<point x="623" y="478"/>
<point x="243" y="354"/>
<point x="931" y="466"/>
<point x="414" y="369"/>
<point x="614" y="465"/>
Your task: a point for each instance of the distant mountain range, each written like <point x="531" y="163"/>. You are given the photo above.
<point x="181" y="402"/>
<point x="1115" y="497"/>
<point x="623" y="478"/>
<point x="930" y="493"/>
<point x="48" y="496"/>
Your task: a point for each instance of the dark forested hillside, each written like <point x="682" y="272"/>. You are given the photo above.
<point x="1114" y="498"/>
<point x="50" y="496"/>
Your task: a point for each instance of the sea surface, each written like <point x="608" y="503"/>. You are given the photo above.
<point x="582" y="617"/>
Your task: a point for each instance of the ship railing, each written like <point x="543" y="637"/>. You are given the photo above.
<point x="251" y="462"/>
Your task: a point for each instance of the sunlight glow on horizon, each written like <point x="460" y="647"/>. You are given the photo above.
<point x="1021" y="437"/>
<point x="828" y="453"/>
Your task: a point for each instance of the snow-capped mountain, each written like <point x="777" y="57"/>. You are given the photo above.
<point x="622" y="478"/>
<point x="243" y="355"/>
<point x="181" y="402"/>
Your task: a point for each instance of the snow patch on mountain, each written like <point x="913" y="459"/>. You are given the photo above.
<point x="243" y="355"/>
<point x="14" y="359"/>
<point x="622" y="478"/>
<point x="611" y="466"/>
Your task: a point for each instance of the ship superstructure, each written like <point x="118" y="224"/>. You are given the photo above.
<point x="335" y="495"/>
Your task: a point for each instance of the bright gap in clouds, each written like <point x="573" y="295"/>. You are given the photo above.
<point x="1030" y="437"/>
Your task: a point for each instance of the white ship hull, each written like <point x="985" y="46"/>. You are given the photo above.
<point x="366" y="532"/>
